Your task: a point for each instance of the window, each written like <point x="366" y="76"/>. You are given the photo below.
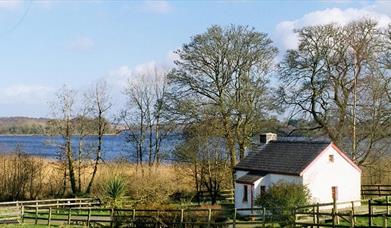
<point x="245" y="193"/>
<point x="331" y="158"/>
<point x="262" y="189"/>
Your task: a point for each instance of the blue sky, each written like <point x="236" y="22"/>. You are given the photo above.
<point x="45" y="44"/>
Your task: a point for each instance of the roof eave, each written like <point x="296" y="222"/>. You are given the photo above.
<point x="266" y="172"/>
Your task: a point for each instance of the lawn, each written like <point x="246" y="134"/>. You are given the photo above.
<point x="36" y="226"/>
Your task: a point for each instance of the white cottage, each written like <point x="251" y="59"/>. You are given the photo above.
<point x="321" y="166"/>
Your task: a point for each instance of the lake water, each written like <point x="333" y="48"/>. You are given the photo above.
<point x="114" y="146"/>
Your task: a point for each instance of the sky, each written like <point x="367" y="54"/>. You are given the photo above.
<point x="47" y="44"/>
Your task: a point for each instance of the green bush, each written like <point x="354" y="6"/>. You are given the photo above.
<point x="114" y="191"/>
<point x="281" y="198"/>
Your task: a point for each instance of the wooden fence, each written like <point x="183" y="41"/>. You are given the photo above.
<point x="224" y="195"/>
<point x="370" y="191"/>
<point x="364" y="213"/>
<point x="158" y="218"/>
<point x="11" y="212"/>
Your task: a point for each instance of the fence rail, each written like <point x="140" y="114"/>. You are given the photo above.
<point x="158" y="218"/>
<point x="364" y="213"/>
<point x="375" y="190"/>
<point x="223" y="195"/>
<point x="14" y="211"/>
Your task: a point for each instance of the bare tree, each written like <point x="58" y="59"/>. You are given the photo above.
<point x="100" y="104"/>
<point x="63" y="111"/>
<point x="146" y="125"/>
<point x="133" y="117"/>
<point x="336" y="79"/>
<point x="224" y="68"/>
<point x="203" y="149"/>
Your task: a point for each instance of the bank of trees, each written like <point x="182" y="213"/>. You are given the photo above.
<point x="339" y="77"/>
<point x="336" y="83"/>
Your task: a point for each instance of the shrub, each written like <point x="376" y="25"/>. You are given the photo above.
<point x="151" y="190"/>
<point x="21" y="176"/>
<point x="114" y="191"/>
<point x="281" y="198"/>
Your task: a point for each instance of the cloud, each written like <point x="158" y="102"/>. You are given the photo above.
<point x="287" y="39"/>
<point x="146" y="71"/>
<point x="82" y="44"/>
<point x="159" y="6"/>
<point x="25" y="94"/>
<point x="10" y="4"/>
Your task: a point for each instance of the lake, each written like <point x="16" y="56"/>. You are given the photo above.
<point x="114" y="146"/>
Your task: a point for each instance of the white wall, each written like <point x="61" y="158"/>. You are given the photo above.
<point x="267" y="181"/>
<point x="239" y="192"/>
<point x="323" y="174"/>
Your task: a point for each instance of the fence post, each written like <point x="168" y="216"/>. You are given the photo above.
<point x="335" y="211"/>
<point x="133" y="216"/>
<point x="294" y="217"/>
<point x="69" y="216"/>
<point x="352" y="223"/>
<point x="317" y="215"/>
<point x="234" y="218"/>
<point x="22" y="213"/>
<point x="370" y="213"/>
<point x="50" y="216"/>
<point x="182" y="212"/>
<point x="378" y="189"/>
<point x="209" y="216"/>
<point x="36" y="214"/>
<point x="112" y="217"/>
<point x="388" y="207"/>
<point x="89" y="217"/>
<point x="157" y="218"/>
<point x="333" y="217"/>
<point x="264" y="216"/>
<point x="385" y="221"/>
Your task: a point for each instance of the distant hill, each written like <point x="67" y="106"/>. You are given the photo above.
<point x="34" y="126"/>
<point x="23" y="125"/>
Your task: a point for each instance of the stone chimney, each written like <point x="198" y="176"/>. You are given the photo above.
<point x="265" y="138"/>
<point x="259" y="141"/>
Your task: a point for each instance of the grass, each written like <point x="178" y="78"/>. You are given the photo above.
<point x="36" y="226"/>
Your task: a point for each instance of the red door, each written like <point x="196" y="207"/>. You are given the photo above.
<point x="334" y="193"/>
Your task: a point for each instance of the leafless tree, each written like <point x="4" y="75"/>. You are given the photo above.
<point x="64" y="112"/>
<point x="146" y="125"/>
<point x="337" y="77"/>
<point x="100" y="104"/>
<point x="224" y="68"/>
<point x="203" y="150"/>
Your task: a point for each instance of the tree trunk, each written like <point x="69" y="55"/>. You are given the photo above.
<point x="98" y="151"/>
<point x="242" y="150"/>
<point x="231" y="147"/>
<point x="150" y="155"/>
<point x="69" y="155"/>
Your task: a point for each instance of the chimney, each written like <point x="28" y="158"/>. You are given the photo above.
<point x="265" y="138"/>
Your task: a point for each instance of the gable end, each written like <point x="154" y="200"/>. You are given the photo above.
<point x="339" y="151"/>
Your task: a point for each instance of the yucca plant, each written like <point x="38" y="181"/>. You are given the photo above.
<point x="115" y="190"/>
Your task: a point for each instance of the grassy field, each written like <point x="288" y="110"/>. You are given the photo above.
<point x="36" y="226"/>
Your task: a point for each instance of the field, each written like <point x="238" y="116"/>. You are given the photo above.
<point x="25" y="178"/>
